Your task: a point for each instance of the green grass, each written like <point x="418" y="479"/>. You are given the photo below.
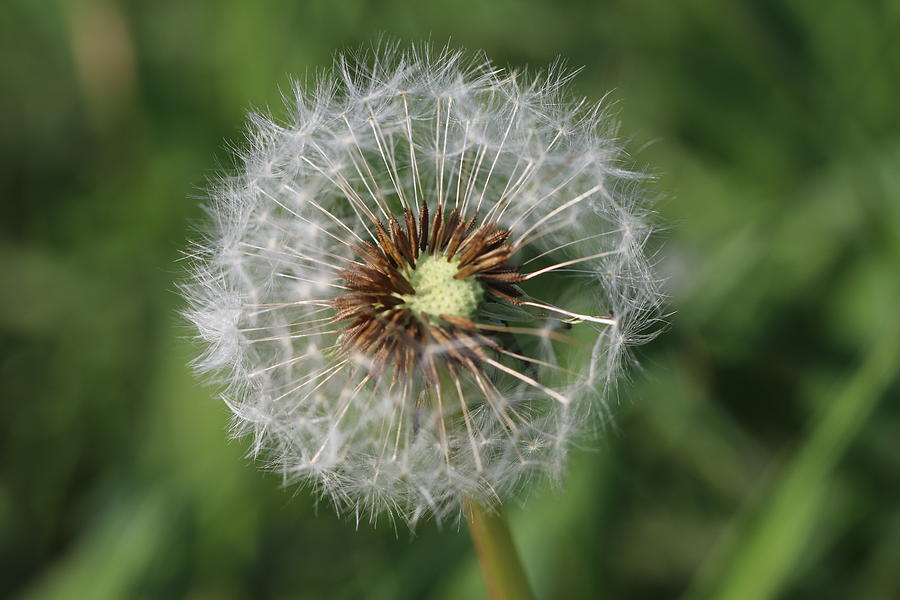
<point x="755" y="452"/>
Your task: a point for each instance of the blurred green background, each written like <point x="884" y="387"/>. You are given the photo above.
<point x="756" y="453"/>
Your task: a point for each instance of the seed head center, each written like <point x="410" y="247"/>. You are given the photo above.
<point x="438" y="292"/>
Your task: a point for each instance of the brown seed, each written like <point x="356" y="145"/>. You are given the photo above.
<point x="377" y="324"/>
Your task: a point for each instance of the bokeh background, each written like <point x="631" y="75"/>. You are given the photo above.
<point x="756" y="453"/>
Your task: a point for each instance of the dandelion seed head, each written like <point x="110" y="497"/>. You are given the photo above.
<point x="422" y="285"/>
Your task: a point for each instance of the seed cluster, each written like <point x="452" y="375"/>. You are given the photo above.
<point x="399" y="367"/>
<point x="379" y="312"/>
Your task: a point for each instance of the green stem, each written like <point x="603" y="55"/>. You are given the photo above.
<point x="500" y="564"/>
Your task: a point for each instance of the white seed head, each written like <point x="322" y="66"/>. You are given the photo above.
<point x="421" y="287"/>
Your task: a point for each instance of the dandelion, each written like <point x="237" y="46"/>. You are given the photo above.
<point x="420" y="288"/>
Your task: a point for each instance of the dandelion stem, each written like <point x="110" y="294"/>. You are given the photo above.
<point x="500" y="564"/>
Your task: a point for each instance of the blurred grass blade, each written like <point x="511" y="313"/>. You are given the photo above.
<point x="112" y="558"/>
<point x="771" y="542"/>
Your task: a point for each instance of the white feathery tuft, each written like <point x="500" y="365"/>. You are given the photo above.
<point x="384" y="133"/>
